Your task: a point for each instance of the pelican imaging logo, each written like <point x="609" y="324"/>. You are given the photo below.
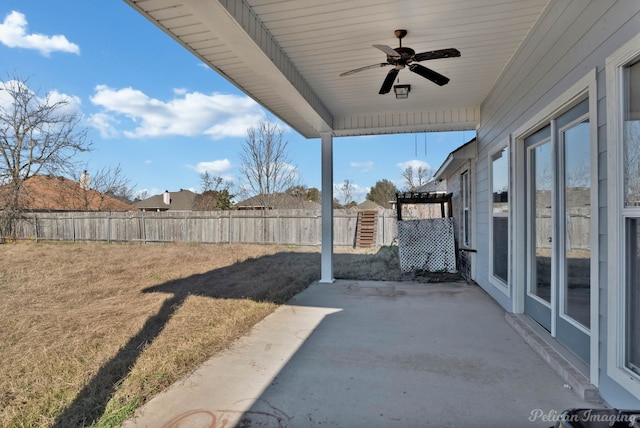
<point x="602" y="417"/>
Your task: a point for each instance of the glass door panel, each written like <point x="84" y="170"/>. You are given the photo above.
<point x="541" y="202"/>
<point x="576" y="295"/>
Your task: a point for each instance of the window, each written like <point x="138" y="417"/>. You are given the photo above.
<point x="631" y="192"/>
<point x="623" y="134"/>
<point x="466" y="197"/>
<point x="632" y="357"/>
<point x="500" y="215"/>
<point x="631" y="134"/>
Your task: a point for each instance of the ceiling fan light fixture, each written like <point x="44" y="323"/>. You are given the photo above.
<point x="402" y="91"/>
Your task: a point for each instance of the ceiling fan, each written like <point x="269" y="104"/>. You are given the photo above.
<point x="402" y="56"/>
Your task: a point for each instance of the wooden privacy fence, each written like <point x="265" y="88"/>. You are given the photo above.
<point x="285" y="227"/>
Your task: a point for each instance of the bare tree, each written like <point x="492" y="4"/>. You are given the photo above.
<point x="304" y="193"/>
<point x="215" y="193"/>
<point x="93" y="191"/>
<point x="108" y="181"/>
<point x="37" y="135"/>
<point x="214" y="182"/>
<point x="415" y="177"/>
<point x="345" y="192"/>
<point x="631" y="163"/>
<point x="265" y="165"/>
<point x="578" y="176"/>
<point x="142" y="195"/>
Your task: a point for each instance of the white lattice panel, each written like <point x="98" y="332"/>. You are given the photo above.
<point x="427" y="245"/>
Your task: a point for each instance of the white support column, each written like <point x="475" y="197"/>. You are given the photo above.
<point x="326" y="262"/>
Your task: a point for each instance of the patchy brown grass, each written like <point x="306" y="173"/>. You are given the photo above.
<point x="89" y="332"/>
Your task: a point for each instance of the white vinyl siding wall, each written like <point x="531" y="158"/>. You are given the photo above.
<point x="565" y="45"/>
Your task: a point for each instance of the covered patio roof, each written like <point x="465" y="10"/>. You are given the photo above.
<point x="288" y="56"/>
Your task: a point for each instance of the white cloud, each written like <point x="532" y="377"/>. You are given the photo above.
<point x="362" y="166"/>
<point x="358" y="193"/>
<point x="415" y="164"/>
<point x="70" y="103"/>
<point x="13" y="33"/>
<point x="188" y="114"/>
<point x="66" y="104"/>
<point x="105" y="124"/>
<point x="148" y="162"/>
<point x="147" y="193"/>
<point x="289" y="168"/>
<point x="216" y="167"/>
<point x="292" y="170"/>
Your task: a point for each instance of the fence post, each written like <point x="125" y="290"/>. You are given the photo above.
<point x="229" y="240"/>
<point x="384" y="221"/>
<point x="35" y="226"/>
<point x="144" y="229"/>
<point x="380" y="230"/>
<point x="109" y="227"/>
<point x="73" y="227"/>
<point x="184" y="228"/>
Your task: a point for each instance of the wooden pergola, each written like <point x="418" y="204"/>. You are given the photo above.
<point x="425" y="198"/>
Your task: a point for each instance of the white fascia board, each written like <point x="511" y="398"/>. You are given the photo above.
<point x="456" y="158"/>
<point x="234" y="23"/>
<point x="238" y="26"/>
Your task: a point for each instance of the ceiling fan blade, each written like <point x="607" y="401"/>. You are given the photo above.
<point x="441" y="53"/>
<point x="427" y="73"/>
<point x="346" y="73"/>
<point x="389" y="51"/>
<point x="388" y="81"/>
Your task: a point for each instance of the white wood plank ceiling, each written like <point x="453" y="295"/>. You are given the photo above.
<point x="288" y="55"/>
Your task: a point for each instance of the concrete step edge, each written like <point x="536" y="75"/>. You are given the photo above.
<point x="569" y="374"/>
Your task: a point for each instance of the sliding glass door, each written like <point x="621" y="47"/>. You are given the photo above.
<point x="558" y="201"/>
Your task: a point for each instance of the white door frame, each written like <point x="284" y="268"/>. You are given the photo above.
<point x="587" y="85"/>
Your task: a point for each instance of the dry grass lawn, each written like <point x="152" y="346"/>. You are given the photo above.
<point x="89" y="332"/>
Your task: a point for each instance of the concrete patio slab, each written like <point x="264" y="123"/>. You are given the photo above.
<point x="371" y="354"/>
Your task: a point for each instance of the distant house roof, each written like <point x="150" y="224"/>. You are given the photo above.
<point x="433" y="186"/>
<point x="369" y="205"/>
<point x="282" y="201"/>
<point x="50" y="193"/>
<point x="182" y="200"/>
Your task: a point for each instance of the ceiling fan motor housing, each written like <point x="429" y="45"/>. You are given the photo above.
<point x="406" y="55"/>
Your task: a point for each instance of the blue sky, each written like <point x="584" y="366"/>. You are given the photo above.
<point x="157" y="111"/>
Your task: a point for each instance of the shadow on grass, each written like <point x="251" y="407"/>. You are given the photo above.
<point x="273" y="278"/>
<point x="91" y="401"/>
